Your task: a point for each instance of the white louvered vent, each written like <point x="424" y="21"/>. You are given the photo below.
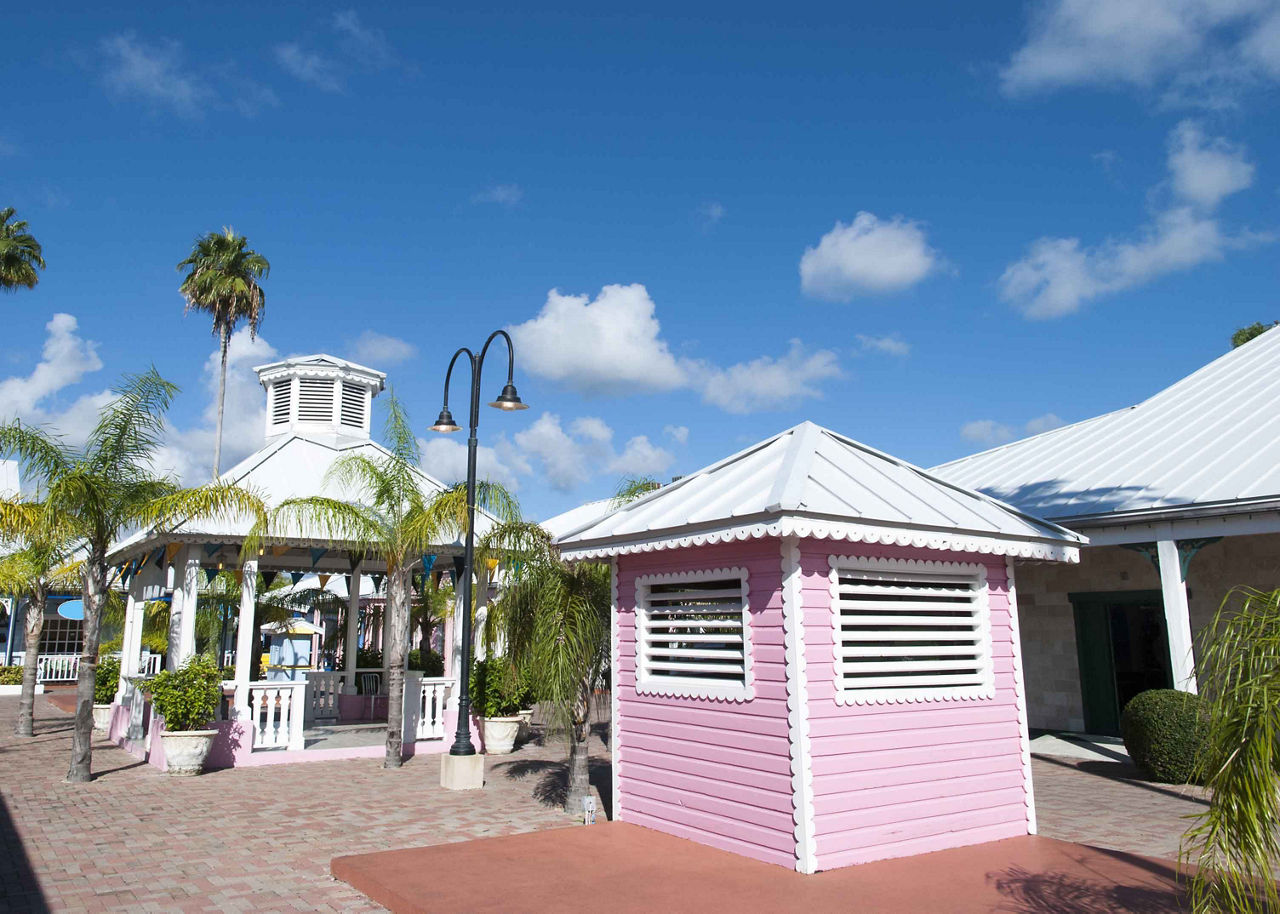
<point x="693" y="635"/>
<point x="911" y="631"/>
<point x="353" y="400"/>
<point x="281" y="394"/>
<point x="315" y="400"/>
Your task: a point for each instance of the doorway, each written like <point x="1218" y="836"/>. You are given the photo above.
<point x="1123" y="649"/>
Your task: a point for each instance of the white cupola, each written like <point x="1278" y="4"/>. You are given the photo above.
<point x="319" y="395"/>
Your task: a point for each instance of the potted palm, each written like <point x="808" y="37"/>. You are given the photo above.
<point x="187" y="698"/>
<point x="106" y="679"/>
<point x="493" y="696"/>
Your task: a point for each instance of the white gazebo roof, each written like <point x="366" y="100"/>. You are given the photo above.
<point x="1208" y="444"/>
<point x="811" y="481"/>
<point x="292" y="627"/>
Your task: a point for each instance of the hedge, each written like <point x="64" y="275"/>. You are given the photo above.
<point x="1164" y="731"/>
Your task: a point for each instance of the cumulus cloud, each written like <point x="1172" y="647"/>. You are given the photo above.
<point x="445" y="458"/>
<point x="308" y="66"/>
<point x="567" y="459"/>
<point x="866" y="257"/>
<point x="990" y="432"/>
<point x="563" y="460"/>
<point x="501" y="194"/>
<point x="368" y="45"/>
<point x="677" y="433"/>
<point x="1058" y="276"/>
<point x="888" y="345"/>
<point x="767" y="382"/>
<point x="378" y="349"/>
<point x="710" y="213"/>
<point x="1202" y="52"/>
<point x="641" y="457"/>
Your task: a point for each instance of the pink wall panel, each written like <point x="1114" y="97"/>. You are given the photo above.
<point x="715" y="771"/>
<point x="904" y="778"/>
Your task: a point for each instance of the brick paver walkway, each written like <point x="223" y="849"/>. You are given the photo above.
<point x="260" y="839"/>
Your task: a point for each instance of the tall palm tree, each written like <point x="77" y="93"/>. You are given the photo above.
<point x="1234" y="841"/>
<point x="554" y="620"/>
<point x="20" y="254"/>
<point x="39" y="564"/>
<point x="104" y="488"/>
<point x="389" y="517"/>
<point x="222" y="280"/>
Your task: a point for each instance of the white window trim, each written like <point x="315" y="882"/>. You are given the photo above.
<point x="691" y="688"/>
<point x="984" y="690"/>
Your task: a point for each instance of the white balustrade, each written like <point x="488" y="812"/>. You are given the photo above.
<point x="57" y="667"/>
<point x="323" y="694"/>
<point x="428" y="703"/>
<point x="275" y="714"/>
<point x="151" y="664"/>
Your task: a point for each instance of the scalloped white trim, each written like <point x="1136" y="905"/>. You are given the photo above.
<point x="690" y="687"/>
<point x="1020" y="698"/>
<point x="615" y="730"/>
<point x="982" y="609"/>
<point x="841" y="530"/>
<point x="798" y="708"/>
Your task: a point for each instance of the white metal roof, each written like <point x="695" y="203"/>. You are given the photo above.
<point x="574" y="518"/>
<point x="811" y="481"/>
<point x="1211" y="439"/>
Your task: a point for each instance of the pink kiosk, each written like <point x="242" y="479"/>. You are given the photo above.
<point x="816" y="656"/>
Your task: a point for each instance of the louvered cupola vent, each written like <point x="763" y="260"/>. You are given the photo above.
<point x="319" y="395"/>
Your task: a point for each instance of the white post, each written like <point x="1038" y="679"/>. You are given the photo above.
<point x="245" y="633"/>
<point x="173" y="637"/>
<point x="479" y="650"/>
<point x="1177" y="616"/>
<point x="190" y="583"/>
<point x="131" y="637"/>
<point x="353" y="628"/>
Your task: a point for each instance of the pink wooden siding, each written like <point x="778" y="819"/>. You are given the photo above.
<point x="712" y="770"/>
<point x="896" y="779"/>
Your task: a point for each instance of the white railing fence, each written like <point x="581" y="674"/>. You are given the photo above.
<point x="275" y="713"/>
<point x="322" y="695"/>
<point x="424" y="704"/>
<point x="66" y="667"/>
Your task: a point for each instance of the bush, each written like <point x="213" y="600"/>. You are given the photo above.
<point x="10" y="675"/>
<point x="493" y="688"/>
<point x="526" y="690"/>
<point x="106" y="679"/>
<point x="430" y="665"/>
<point x="1164" y="732"/>
<point x="368" y="657"/>
<point x="187" y="698"/>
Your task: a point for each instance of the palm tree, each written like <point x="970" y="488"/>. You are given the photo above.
<point x="104" y="488"/>
<point x="392" y="519"/>
<point x="223" y="282"/>
<point x="554" y="620"/>
<point x="1234" y="841"/>
<point x="20" y="254"/>
<point x="32" y="570"/>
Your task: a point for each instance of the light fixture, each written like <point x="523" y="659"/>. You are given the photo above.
<point x="445" y="423"/>
<point x="509" y="399"/>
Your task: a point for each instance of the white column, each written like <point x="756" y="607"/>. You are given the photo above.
<point x="1177" y="616"/>
<point x="190" y="584"/>
<point x="245" y="633"/>
<point x="480" y="621"/>
<point x="174" y="635"/>
<point x="353" y="628"/>
<point x="131" y="637"/>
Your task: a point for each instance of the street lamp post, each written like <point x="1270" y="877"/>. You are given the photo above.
<point x="507" y="400"/>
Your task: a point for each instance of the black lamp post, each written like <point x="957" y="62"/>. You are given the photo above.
<point x="508" y="400"/>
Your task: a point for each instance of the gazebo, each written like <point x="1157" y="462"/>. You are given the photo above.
<point x="815" y="655"/>
<point x="318" y="409"/>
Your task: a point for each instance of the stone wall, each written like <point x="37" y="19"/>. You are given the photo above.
<point x="1048" y="624"/>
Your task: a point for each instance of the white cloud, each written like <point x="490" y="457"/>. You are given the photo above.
<point x="889" y="345"/>
<point x="990" y="432"/>
<point x="607" y="345"/>
<point x="1205" y="171"/>
<point x="66" y="358"/>
<point x="711" y="213"/>
<point x="153" y="72"/>
<point x="501" y="194"/>
<point x="377" y="349"/>
<point x="641" y="457"/>
<point x="564" y="461"/>
<point x="567" y="459"/>
<point x="867" y="256"/>
<point x="766" y="382"/>
<point x="1058" y="276"/>
<point x="445" y="458"/>
<point x="677" y="433"/>
<point x="367" y="45"/>
<point x="1200" y="52"/>
<point x="592" y="429"/>
<point x="310" y="67"/>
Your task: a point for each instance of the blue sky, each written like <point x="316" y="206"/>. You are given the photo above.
<point x="930" y="227"/>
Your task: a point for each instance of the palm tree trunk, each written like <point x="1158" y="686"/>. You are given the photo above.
<point x="579" y="778"/>
<point x="30" y="660"/>
<point x="95" y="572"/>
<point x="222" y="393"/>
<point x="395" y="641"/>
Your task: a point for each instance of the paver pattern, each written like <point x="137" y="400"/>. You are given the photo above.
<point x="260" y="839"/>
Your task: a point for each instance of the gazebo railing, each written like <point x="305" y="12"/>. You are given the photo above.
<point x="425" y="701"/>
<point x="275" y="712"/>
<point x="322" y="696"/>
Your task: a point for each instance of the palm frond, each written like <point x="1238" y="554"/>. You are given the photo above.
<point x="131" y="426"/>
<point x="632" y="487"/>
<point x="39" y="454"/>
<point x="354" y="525"/>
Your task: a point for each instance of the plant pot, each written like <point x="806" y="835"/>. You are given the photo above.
<point x="526" y="723"/>
<point x="500" y="734"/>
<point x="186" y="750"/>
<point x="102" y="717"/>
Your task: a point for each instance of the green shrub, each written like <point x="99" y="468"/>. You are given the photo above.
<point x="526" y="690"/>
<point x="187" y="698"/>
<point x="430" y="665"/>
<point x="493" y="688"/>
<point x="106" y="679"/>
<point x="10" y="675"/>
<point x="1164" y="732"/>
<point x="369" y="658"/>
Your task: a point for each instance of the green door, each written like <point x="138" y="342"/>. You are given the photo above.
<point x="1123" y="648"/>
<point x="1097" y="669"/>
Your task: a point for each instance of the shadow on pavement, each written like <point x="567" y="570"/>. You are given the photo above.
<point x="1122" y="771"/>
<point x="553" y="784"/>
<point x="19" y="888"/>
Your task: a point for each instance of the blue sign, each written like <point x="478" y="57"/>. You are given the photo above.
<point x="72" y="609"/>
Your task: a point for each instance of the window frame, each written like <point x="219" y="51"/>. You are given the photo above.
<point x="984" y="688"/>
<point x="691" y="686"/>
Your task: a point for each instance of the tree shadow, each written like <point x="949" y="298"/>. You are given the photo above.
<point x="553" y="780"/>
<point x="19" y="887"/>
<point x="1027" y="892"/>
<point x="1127" y="772"/>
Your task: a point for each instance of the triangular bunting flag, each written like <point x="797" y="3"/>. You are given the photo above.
<point x="209" y="574"/>
<point x="296" y="576"/>
<point x="346" y="578"/>
<point x="377" y="581"/>
<point x="491" y="564"/>
<point x="239" y="573"/>
<point x="435" y="578"/>
<point x="323" y="579"/>
<point x="171" y="551"/>
<point x="279" y="550"/>
<point x="157" y="556"/>
<point x="317" y="555"/>
<point x="428" y="562"/>
<point x="268" y="578"/>
<point x="212" y="549"/>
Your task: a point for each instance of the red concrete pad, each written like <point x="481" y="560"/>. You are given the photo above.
<point x="623" y="867"/>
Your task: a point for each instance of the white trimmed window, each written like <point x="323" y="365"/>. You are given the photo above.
<point x="693" y="634"/>
<point x="910" y="630"/>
